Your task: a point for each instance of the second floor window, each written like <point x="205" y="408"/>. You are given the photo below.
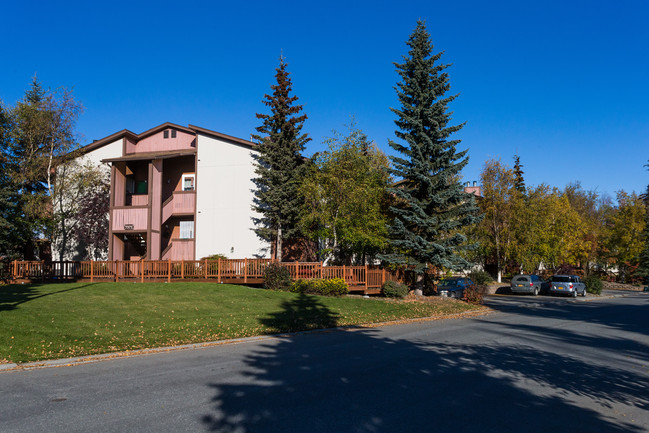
<point x="188" y="182"/>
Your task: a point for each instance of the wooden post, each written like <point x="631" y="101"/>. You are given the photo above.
<point x="382" y="277"/>
<point x="182" y="269"/>
<point x="245" y="270"/>
<point x="366" y="279"/>
<point x="218" y="271"/>
<point x="205" y="267"/>
<point x="297" y="269"/>
<point x="15" y="272"/>
<point x="168" y="271"/>
<point x="142" y="271"/>
<point x="116" y="271"/>
<point x="92" y="276"/>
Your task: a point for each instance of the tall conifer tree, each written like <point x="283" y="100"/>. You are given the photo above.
<point x="433" y="207"/>
<point x="279" y="164"/>
<point x="643" y="261"/>
<point x="519" y="180"/>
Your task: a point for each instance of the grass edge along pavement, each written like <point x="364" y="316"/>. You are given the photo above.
<point x="53" y="321"/>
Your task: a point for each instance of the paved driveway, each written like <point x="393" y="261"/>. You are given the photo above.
<point x="537" y="364"/>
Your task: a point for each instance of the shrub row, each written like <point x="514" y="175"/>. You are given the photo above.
<point x="394" y="289"/>
<point x="277" y="277"/>
<point x="474" y="294"/>
<point x="481" y="278"/>
<point x="593" y="284"/>
<point x="329" y="287"/>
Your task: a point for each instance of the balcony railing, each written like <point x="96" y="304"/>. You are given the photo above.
<point x="130" y="218"/>
<point x="180" y="203"/>
<point x="366" y="279"/>
<point x="178" y="248"/>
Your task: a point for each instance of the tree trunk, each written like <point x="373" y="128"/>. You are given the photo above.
<point x="278" y="244"/>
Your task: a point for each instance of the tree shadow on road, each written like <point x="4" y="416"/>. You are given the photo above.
<point x="625" y="315"/>
<point x="360" y="380"/>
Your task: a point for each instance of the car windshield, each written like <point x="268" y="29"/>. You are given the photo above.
<point x="561" y="279"/>
<point x="521" y="279"/>
<point x="448" y="283"/>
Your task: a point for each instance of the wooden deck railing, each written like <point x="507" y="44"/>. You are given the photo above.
<point x="367" y="279"/>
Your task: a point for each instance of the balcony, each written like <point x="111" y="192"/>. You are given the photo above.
<point x="181" y="203"/>
<point x="179" y="249"/>
<point x="137" y="199"/>
<point x="130" y="218"/>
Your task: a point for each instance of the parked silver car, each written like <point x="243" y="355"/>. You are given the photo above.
<point x="568" y="285"/>
<point x="527" y="284"/>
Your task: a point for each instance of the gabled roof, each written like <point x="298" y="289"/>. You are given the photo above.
<point x="190" y="129"/>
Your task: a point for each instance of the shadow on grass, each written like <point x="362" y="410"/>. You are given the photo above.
<point x="304" y="313"/>
<point x="362" y="381"/>
<point x="13" y="295"/>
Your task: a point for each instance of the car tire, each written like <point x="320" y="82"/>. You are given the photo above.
<point x="574" y="294"/>
<point x="583" y="295"/>
<point x="536" y="291"/>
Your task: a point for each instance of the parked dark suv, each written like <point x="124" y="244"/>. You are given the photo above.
<point x="453" y="287"/>
<point x="532" y="284"/>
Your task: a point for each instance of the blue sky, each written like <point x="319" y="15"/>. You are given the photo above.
<point x="565" y="84"/>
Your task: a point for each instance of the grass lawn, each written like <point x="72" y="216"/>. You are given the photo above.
<point x="49" y="321"/>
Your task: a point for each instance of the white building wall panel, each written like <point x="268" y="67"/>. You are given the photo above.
<point x="94" y="157"/>
<point x="224" y="198"/>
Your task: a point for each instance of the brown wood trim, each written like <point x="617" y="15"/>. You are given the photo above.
<point x="196" y="198"/>
<point x="130" y="207"/>
<point x="222" y="136"/>
<point x="150" y="206"/>
<point x="111" y="206"/>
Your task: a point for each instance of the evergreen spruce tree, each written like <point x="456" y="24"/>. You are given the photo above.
<point x="432" y="206"/>
<point x="279" y="164"/>
<point x="643" y="261"/>
<point x="519" y="181"/>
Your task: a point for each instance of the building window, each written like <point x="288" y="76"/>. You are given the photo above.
<point x="165" y="134"/>
<point x="173" y="133"/>
<point x="186" y="229"/>
<point x="189" y="182"/>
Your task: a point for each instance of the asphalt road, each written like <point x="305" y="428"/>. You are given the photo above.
<point x="536" y="364"/>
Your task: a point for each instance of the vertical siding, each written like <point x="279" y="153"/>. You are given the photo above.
<point x="118" y="248"/>
<point x="157" y="143"/>
<point x="119" y="193"/>
<point x="138" y="217"/>
<point x="156" y="209"/>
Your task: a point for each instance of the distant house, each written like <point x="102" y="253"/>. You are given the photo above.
<point x="473" y="189"/>
<point x="179" y="193"/>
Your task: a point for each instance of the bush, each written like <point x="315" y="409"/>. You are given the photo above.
<point x="394" y="289"/>
<point x="480" y="277"/>
<point x="214" y="257"/>
<point x="474" y="294"/>
<point x="277" y="277"/>
<point x="593" y="284"/>
<point x="329" y="287"/>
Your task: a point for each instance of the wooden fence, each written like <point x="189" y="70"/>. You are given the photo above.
<point x="366" y="279"/>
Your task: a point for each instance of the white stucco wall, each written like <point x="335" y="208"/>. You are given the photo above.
<point x="94" y="157"/>
<point x="224" y="197"/>
<point x="111" y="150"/>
